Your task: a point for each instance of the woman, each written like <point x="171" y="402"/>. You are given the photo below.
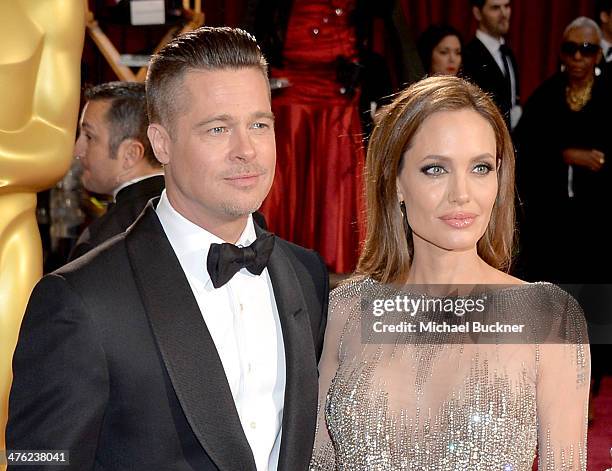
<point x="440" y="50"/>
<point x="564" y="134"/>
<point x="442" y="153"/>
<point x="315" y="199"/>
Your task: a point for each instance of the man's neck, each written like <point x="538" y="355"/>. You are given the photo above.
<point x="491" y="35"/>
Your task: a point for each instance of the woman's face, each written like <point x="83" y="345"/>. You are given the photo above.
<point x="446" y="56"/>
<point x="448" y="180"/>
<point x="580" y="61"/>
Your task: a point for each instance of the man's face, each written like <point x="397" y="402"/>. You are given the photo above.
<point x="494" y="17"/>
<point x="606" y="24"/>
<point x="100" y="171"/>
<point x="220" y="160"/>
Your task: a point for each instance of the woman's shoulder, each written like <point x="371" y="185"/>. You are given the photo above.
<point x="539" y="292"/>
<point x="551" y="89"/>
<point x="356" y="285"/>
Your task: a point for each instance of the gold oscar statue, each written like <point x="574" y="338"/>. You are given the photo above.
<point x="42" y="43"/>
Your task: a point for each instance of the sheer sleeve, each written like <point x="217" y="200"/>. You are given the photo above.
<point x="563" y="379"/>
<point x="323" y="456"/>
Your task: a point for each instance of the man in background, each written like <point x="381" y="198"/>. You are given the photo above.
<point x="603" y="15"/>
<point x="489" y="62"/>
<point x="117" y="158"/>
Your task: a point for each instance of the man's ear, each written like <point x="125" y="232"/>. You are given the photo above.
<point x="160" y="142"/>
<point x="477" y="13"/>
<point x="604" y="16"/>
<point x="131" y="152"/>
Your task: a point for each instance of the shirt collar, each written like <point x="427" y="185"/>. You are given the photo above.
<point x="605" y="45"/>
<point x="492" y="44"/>
<point x="191" y="242"/>
<point x="132" y="181"/>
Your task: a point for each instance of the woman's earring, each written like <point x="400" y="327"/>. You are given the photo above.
<point x="404" y="215"/>
<point x="597" y="71"/>
<point x="562" y="67"/>
<point x="405" y="220"/>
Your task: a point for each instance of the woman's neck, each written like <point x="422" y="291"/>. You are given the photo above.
<point x="438" y="266"/>
<point x="581" y="83"/>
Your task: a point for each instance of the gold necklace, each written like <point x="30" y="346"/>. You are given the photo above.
<point x="576" y="98"/>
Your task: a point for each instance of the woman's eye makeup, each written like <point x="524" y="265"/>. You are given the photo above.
<point x="434" y="170"/>
<point x="483" y="168"/>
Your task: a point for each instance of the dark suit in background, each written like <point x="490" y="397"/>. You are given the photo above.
<point x="115" y="362"/>
<point x="129" y="203"/>
<point x="480" y="67"/>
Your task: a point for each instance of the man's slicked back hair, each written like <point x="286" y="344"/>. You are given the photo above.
<point x="478" y="3"/>
<point x="206" y="48"/>
<point x="126" y="116"/>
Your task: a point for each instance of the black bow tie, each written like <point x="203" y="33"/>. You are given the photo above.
<point x="225" y="260"/>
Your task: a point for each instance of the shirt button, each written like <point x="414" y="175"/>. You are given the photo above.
<point x="249" y="368"/>
<point x="241" y="307"/>
<point x="253" y="425"/>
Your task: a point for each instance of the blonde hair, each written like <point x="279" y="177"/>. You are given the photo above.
<point x="389" y="249"/>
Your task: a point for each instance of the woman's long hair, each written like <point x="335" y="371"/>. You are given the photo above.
<point x="388" y="250"/>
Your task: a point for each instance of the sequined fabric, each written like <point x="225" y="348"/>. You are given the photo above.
<point x="464" y="406"/>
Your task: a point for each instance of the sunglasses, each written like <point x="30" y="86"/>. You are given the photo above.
<point x="570" y="48"/>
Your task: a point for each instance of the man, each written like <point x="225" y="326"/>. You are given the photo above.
<point x="489" y="62"/>
<point x="170" y="348"/>
<point x="603" y="12"/>
<point x="116" y="157"/>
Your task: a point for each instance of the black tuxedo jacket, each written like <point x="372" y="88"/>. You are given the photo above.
<point x="129" y="203"/>
<point x="115" y="364"/>
<point x="480" y="67"/>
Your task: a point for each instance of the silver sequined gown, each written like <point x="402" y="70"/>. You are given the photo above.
<point x="438" y="406"/>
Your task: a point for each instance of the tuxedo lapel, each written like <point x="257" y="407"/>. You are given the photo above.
<point x="299" y="416"/>
<point x="186" y="346"/>
<point x="489" y="62"/>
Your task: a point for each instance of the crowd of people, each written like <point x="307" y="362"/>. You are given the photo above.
<point x="190" y="322"/>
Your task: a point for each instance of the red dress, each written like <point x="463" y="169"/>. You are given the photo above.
<point x="316" y="198"/>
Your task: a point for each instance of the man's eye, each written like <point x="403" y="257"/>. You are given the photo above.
<point x="259" y="125"/>
<point x="217" y="130"/>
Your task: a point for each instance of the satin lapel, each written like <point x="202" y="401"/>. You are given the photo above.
<point x="489" y="63"/>
<point x="299" y="417"/>
<point x="187" y="349"/>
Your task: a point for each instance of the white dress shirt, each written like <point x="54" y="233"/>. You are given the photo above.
<point x="243" y="320"/>
<point x="605" y="48"/>
<point x="493" y="46"/>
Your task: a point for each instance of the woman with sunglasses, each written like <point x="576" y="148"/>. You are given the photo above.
<point x="563" y="166"/>
<point x="565" y="181"/>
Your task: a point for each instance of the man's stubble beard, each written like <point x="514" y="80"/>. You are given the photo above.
<point x="234" y="210"/>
